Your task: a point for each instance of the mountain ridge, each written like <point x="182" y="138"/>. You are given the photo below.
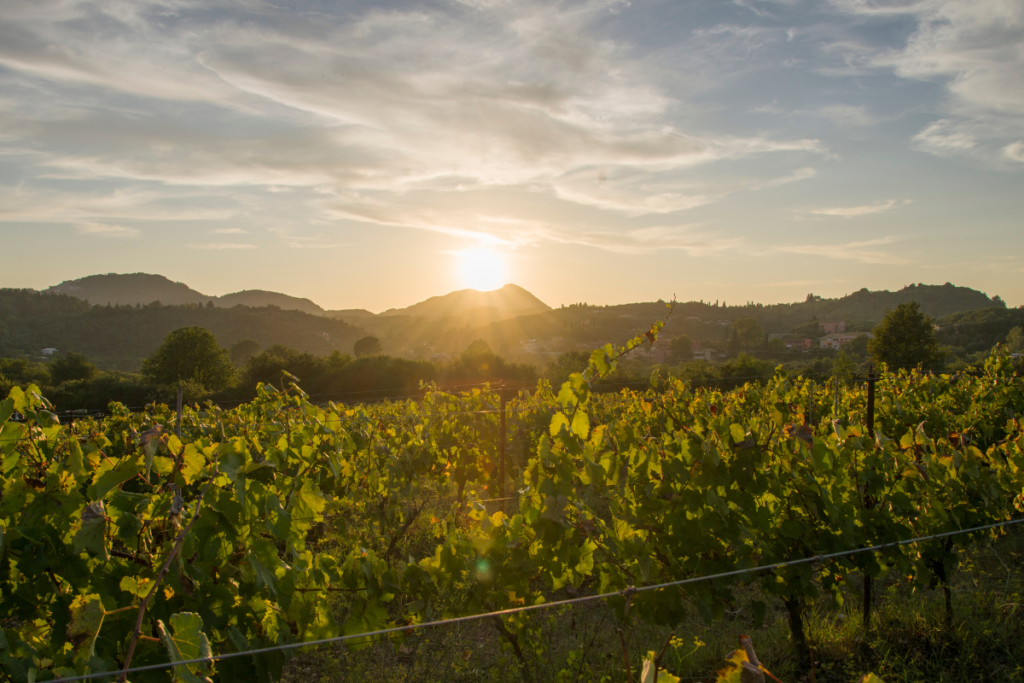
<point x="508" y="299"/>
<point x="142" y="289"/>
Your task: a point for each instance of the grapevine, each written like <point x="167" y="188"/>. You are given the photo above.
<point x="123" y="545"/>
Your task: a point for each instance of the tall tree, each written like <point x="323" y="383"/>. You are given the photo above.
<point x="1014" y="340"/>
<point x="750" y="331"/>
<point x="906" y="338"/>
<point x="190" y="354"/>
<point x="70" y="367"/>
<point x="682" y="348"/>
<point x="244" y="350"/>
<point x="367" y="346"/>
<point x="734" y="344"/>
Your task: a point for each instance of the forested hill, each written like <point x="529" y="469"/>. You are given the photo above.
<point x="509" y="301"/>
<point x="707" y="320"/>
<point x="257" y="297"/>
<point x="979" y="330"/>
<point x="131" y="289"/>
<point x="935" y="300"/>
<point x="119" y="337"/>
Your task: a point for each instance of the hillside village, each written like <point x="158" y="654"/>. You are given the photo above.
<point x="834" y="337"/>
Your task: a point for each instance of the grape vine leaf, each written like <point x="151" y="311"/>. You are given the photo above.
<point x="188" y="642"/>
<point x="11" y="434"/>
<point x="6" y="409"/>
<point x="581" y="423"/>
<point x="86" y="619"/>
<point x="110" y="477"/>
<point x="558" y="422"/>
<point x="12" y="666"/>
<point x="647" y="675"/>
<point x="76" y="460"/>
<point x="91" y="535"/>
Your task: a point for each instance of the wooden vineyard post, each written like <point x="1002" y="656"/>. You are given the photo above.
<point x="813" y="423"/>
<point x="177" y="426"/>
<point x="501" y="449"/>
<point x="871" y="401"/>
<point x="867" y="502"/>
<point x="835" y="403"/>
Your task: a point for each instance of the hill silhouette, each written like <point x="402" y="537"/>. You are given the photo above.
<point x="509" y="301"/>
<point x="129" y="289"/>
<point x="119" y="337"/>
<point x="134" y="289"/>
<point x="256" y="298"/>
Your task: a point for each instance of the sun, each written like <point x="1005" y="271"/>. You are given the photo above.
<point x="481" y="269"/>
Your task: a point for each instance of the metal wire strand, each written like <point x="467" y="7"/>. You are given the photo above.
<point x="625" y="592"/>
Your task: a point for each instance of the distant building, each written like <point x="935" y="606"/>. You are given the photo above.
<point x="775" y="336"/>
<point x="49" y="352"/>
<point x="559" y="344"/>
<point x="529" y="346"/>
<point x="832" y="328"/>
<point x="801" y="344"/>
<point x="655" y="354"/>
<point x="709" y="355"/>
<point x="442" y="357"/>
<point x="693" y="317"/>
<point x="838" y="341"/>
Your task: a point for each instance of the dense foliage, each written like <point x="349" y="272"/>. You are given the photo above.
<point x="210" y="543"/>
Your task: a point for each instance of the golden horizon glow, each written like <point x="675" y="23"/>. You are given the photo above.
<point x="481" y="269"/>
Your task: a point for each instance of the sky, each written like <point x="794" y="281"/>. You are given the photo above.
<point x="369" y="155"/>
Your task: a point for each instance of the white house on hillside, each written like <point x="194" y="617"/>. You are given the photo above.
<point x="838" y="341"/>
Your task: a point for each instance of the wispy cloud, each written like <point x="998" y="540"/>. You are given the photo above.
<point x="846" y="115"/>
<point x="228" y="231"/>
<point x="791" y="283"/>
<point x="863" y="252"/>
<point x="516" y="95"/>
<point x="976" y="51"/>
<point x="221" y="245"/>
<point x="105" y="230"/>
<point x="1015" y="151"/>
<point x="864" y="210"/>
<point x="318" y="245"/>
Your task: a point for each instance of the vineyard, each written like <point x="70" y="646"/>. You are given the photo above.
<point x="127" y="542"/>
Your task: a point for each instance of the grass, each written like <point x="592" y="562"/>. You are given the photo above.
<point x="910" y="639"/>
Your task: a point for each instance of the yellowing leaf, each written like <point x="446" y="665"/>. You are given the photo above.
<point x="86" y="619"/>
<point x="558" y="422"/>
<point x="739" y="670"/>
<point x="581" y="423"/>
<point x="137" y="587"/>
<point x="870" y="678"/>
